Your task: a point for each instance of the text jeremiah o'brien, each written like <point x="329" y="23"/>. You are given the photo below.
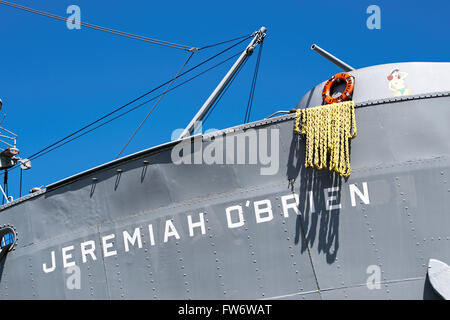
<point x="234" y="215"/>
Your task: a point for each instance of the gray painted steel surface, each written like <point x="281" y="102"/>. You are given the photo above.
<point x="397" y="222"/>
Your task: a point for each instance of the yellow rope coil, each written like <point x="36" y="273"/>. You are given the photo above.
<point x="328" y="129"/>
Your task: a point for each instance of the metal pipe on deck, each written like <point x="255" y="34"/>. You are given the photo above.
<point x="341" y="64"/>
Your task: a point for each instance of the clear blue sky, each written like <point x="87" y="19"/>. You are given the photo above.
<point x="55" y="80"/>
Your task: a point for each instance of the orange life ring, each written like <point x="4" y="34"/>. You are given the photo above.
<point x="343" y="76"/>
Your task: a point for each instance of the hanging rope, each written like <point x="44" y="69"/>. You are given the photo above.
<point x="253" y="86"/>
<point x="154" y="106"/>
<point x="328" y="129"/>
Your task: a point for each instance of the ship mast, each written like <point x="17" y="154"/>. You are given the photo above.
<point x="258" y="37"/>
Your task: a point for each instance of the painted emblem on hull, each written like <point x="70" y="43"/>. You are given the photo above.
<point x="397" y="83"/>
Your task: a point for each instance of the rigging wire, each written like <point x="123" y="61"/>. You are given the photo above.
<point x="154" y="106"/>
<point x="126" y="112"/>
<point x="136" y="99"/>
<point x="55" y="146"/>
<point x="191" y="49"/>
<point x="117" y="32"/>
<point x="136" y="107"/>
<point x="253" y="86"/>
<point x="223" y="93"/>
<point x="92" y="26"/>
<point x="219" y="43"/>
<point x="38" y="155"/>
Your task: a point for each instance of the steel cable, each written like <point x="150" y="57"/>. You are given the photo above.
<point x="134" y="100"/>
<point x="154" y="106"/>
<point x="92" y="26"/>
<point x="117" y="32"/>
<point x="253" y="86"/>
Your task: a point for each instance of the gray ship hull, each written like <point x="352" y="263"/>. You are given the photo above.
<point x="143" y="227"/>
